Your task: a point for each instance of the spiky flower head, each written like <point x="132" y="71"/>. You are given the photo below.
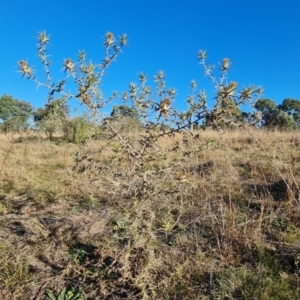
<point x="82" y="90"/>
<point x="109" y="40"/>
<point x="247" y="93"/>
<point x="123" y="40"/>
<point x="146" y="104"/>
<point x="164" y="106"/>
<point x="232" y="86"/>
<point x="193" y="84"/>
<point x="225" y="64"/>
<point x="202" y="95"/>
<point x="69" y="65"/>
<point x="86" y="99"/>
<point x="88" y="69"/>
<point x="133" y="88"/>
<point x="228" y="90"/>
<point x="142" y="77"/>
<point x="124" y="96"/>
<point x="24" y="68"/>
<point x="81" y="55"/>
<point x="171" y="92"/>
<point x="147" y="89"/>
<point x="259" y="90"/>
<point x="202" y="54"/>
<point x="43" y="38"/>
<point x="160" y="75"/>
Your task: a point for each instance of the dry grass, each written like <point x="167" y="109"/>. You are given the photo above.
<point x="222" y="224"/>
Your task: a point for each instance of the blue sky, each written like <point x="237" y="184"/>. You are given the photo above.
<point x="261" y="38"/>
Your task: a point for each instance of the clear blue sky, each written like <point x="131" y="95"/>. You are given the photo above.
<point x="261" y="38"/>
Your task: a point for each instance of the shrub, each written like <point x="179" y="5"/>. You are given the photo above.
<point x="144" y="172"/>
<point x="51" y="119"/>
<point x="77" y="130"/>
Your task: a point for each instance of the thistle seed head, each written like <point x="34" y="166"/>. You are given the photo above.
<point x="160" y="75"/>
<point x="133" y="88"/>
<point x="82" y="55"/>
<point x="124" y="96"/>
<point x="171" y="92"/>
<point x="193" y="84"/>
<point x="88" y="69"/>
<point x="202" y="54"/>
<point x="230" y="89"/>
<point x="43" y="38"/>
<point x="259" y="90"/>
<point x="24" y="68"/>
<point x="123" y="40"/>
<point x="109" y="40"/>
<point x="226" y="91"/>
<point x="69" y="65"/>
<point x="202" y="95"/>
<point x="142" y="77"/>
<point x="146" y="104"/>
<point x="164" y="106"/>
<point x="247" y="93"/>
<point x="225" y="64"/>
<point x="147" y="90"/>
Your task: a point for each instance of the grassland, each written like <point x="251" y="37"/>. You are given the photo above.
<point x="222" y="223"/>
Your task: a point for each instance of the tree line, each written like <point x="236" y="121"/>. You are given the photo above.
<point x="16" y="115"/>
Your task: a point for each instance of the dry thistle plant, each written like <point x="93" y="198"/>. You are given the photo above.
<point x="87" y="76"/>
<point x="145" y="171"/>
<point x="225" y="112"/>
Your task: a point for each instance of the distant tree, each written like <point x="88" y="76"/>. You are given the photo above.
<point x="268" y="109"/>
<point x="126" y="117"/>
<point x="14" y="113"/>
<point x="249" y="118"/>
<point x="273" y="115"/>
<point x="57" y="108"/>
<point x="7" y="107"/>
<point x="78" y="129"/>
<point x="125" y="111"/>
<point x="38" y="115"/>
<point x="232" y="114"/>
<point x="292" y="108"/>
<point x="51" y="118"/>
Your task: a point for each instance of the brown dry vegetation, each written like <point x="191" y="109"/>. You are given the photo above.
<point x="223" y="223"/>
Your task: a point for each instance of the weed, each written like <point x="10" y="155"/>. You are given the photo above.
<point x="81" y="252"/>
<point x="66" y="294"/>
<point x="16" y="273"/>
<point x="254" y="284"/>
<point x="154" y="208"/>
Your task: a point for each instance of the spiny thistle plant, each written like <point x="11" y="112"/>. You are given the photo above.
<point x="87" y="76"/>
<point x="228" y="100"/>
<point x="143" y="169"/>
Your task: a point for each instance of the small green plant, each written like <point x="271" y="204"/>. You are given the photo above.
<point x="72" y="293"/>
<point x="81" y="252"/>
<point x="283" y="225"/>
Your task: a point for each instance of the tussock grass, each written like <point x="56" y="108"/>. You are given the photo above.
<point x="222" y="224"/>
